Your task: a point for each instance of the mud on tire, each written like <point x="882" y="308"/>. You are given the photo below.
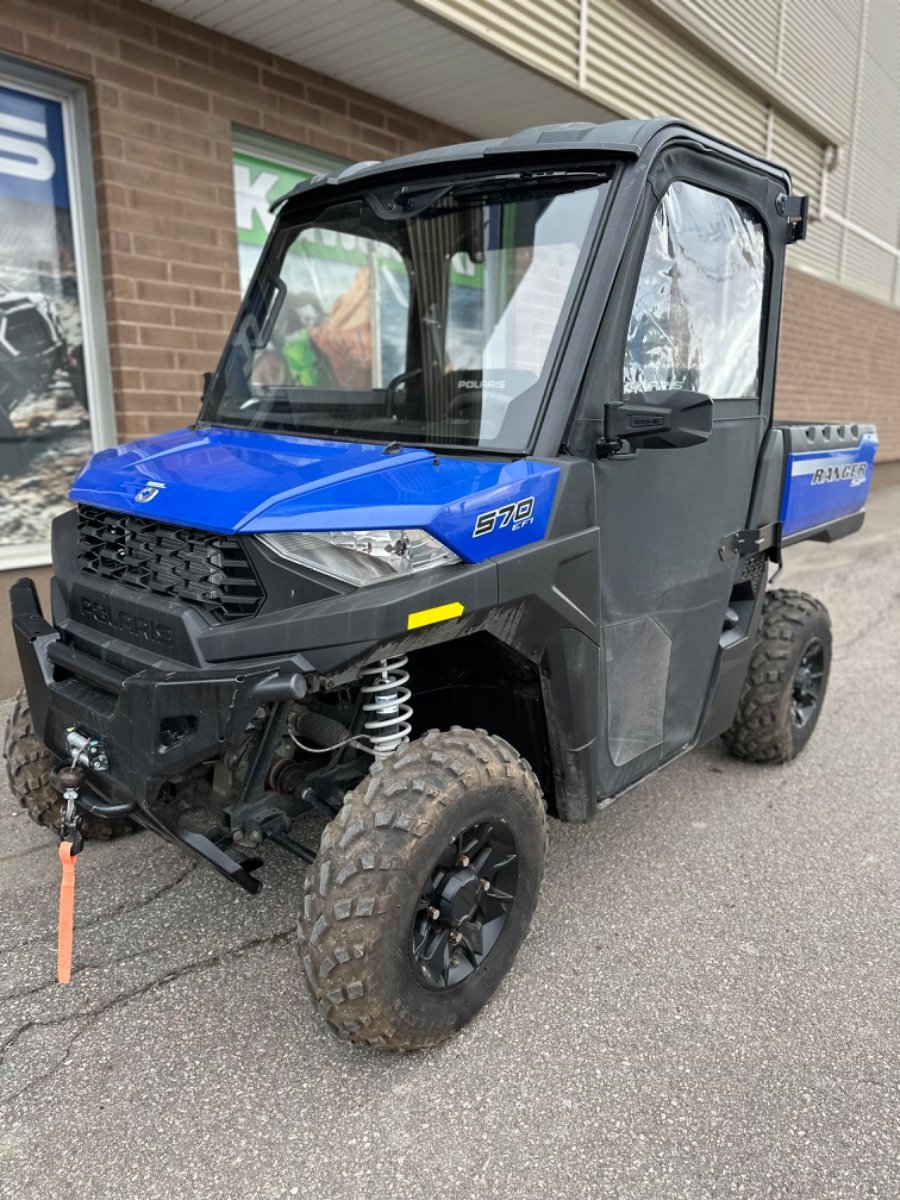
<point x="766" y="728"/>
<point x="28" y="764"/>
<point x="365" y="888"/>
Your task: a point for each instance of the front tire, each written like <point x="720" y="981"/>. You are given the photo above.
<point x="414" y="910"/>
<point x="785" y="686"/>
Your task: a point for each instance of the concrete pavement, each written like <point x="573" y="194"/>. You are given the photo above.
<point x="707" y="1005"/>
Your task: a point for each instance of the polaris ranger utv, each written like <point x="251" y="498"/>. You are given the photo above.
<point x="475" y="525"/>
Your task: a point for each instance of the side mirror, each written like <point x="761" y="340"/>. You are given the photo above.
<point x="657" y="421"/>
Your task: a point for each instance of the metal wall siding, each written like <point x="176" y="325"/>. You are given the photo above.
<point x="638" y="65"/>
<point x="883" y="21"/>
<point x="820" y="50"/>
<point x="868" y="269"/>
<point x="875" y="157"/>
<point x="752" y="27"/>
<point x="838" y="183"/>
<point x="801" y="155"/>
<point x="639" y="68"/>
<point x="820" y="254"/>
<point x="544" y="33"/>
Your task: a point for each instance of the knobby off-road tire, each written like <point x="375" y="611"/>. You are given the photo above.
<point x="773" y="723"/>
<point x="28" y="765"/>
<point x="364" y="902"/>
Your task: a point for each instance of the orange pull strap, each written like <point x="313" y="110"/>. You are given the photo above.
<point x="66" y="913"/>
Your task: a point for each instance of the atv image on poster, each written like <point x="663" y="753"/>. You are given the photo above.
<point x="33" y="354"/>
<point x="475" y="527"/>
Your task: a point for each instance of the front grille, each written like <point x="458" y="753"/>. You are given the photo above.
<point x="206" y="569"/>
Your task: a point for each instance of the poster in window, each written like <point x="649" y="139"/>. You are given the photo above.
<point x="44" y="424"/>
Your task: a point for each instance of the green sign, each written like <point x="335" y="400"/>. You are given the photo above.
<point x="260" y="181"/>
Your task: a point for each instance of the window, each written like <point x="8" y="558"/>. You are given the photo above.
<point x="265" y="169"/>
<point x="55" y="396"/>
<point x="697" y="315"/>
<point x="434" y="326"/>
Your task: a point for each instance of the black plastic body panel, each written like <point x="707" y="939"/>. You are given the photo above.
<point x="732" y="663"/>
<point x="832" y="531"/>
<point x="766" y="502"/>
<point x="802" y="436"/>
<point x="127" y="715"/>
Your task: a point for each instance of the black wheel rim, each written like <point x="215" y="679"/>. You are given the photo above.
<point x="806" y="694"/>
<point x="464" y="905"/>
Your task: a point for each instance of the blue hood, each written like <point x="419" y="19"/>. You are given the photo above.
<point x="241" y="481"/>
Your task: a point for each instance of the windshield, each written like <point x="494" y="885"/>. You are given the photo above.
<point x="428" y="317"/>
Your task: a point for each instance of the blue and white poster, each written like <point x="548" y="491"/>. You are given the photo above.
<point x="44" y="424"/>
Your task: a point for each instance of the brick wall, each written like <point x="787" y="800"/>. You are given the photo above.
<point x="839" y="359"/>
<point x="164" y="97"/>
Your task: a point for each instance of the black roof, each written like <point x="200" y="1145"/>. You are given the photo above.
<point x="621" y="139"/>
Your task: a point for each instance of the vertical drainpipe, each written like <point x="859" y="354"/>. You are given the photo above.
<point x="854" y="131"/>
<point x="779" y="62"/>
<point x="779" y="38"/>
<point x="582" y="44"/>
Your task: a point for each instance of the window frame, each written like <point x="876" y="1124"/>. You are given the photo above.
<point x="72" y="97"/>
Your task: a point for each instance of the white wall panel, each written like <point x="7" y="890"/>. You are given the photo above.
<point x="639" y="68"/>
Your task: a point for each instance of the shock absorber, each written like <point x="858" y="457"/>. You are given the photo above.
<point x="386" y="705"/>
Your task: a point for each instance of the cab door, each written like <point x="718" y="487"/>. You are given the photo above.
<point x="693" y="317"/>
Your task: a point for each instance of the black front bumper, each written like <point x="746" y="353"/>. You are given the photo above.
<point x="155" y="725"/>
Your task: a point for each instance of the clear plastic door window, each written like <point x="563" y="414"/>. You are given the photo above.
<point x="697" y="315"/>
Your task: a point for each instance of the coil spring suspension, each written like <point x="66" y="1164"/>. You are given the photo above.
<point x="385" y="701"/>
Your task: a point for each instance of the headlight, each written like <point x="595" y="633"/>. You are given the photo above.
<point x="363" y="555"/>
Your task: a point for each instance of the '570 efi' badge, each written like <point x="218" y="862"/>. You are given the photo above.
<point x="515" y="515"/>
<point x="148" y="491"/>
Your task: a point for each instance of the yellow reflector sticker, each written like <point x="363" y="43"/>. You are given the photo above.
<point x="430" y="616"/>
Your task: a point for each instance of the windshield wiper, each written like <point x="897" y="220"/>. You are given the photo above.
<point x="405" y="202"/>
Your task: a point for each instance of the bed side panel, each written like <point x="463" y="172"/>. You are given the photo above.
<point x="828" y="472"/>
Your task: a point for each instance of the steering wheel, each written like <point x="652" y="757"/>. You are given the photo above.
<point x="394" y="386"/>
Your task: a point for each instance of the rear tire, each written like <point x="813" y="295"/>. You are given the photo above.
<point x="381" y="968"/>
<point x="785" y="686"/>
<point x="28" y="766"/>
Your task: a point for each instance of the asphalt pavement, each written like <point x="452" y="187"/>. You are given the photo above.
<point x="706" y="1007"/>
